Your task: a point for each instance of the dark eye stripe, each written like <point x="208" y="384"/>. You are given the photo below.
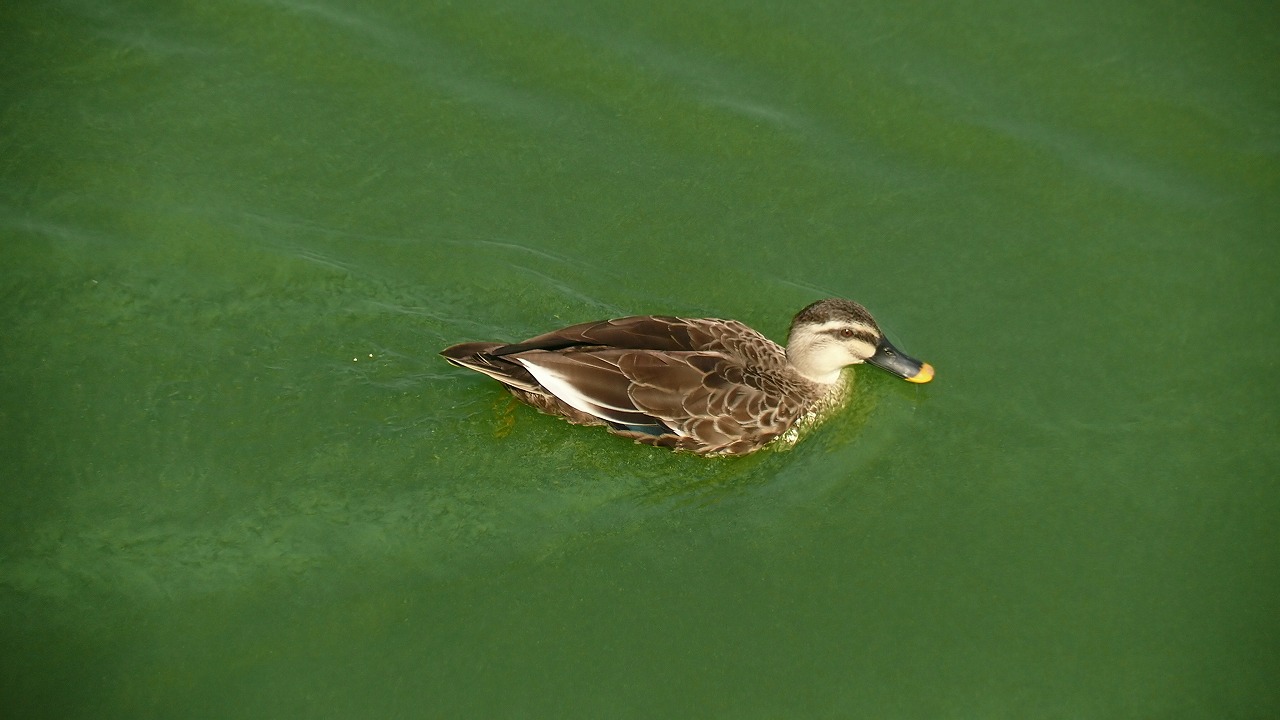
<point x="862" y="335"/>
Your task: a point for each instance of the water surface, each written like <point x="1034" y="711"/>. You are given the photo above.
<point x="238" y="482"/>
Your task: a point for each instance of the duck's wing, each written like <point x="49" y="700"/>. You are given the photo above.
<point x="645" y="332"/>
<point x="590" y="381"/>
<point x="705" y="401"/>
<point x="715" y="399"/>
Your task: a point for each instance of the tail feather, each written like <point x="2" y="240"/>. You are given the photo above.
<point x="478" y="356"/>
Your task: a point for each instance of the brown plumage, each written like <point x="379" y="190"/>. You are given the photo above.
<point x="704" y="385"/>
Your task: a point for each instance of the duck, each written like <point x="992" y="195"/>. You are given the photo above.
<point x="702" y="385"/>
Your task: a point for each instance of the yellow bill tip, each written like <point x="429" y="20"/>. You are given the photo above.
<point x="924" y="376"/>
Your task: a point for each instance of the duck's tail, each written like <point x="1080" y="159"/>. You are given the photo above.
<point x="479" y="356"/>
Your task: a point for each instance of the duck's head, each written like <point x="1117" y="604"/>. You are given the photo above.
<point x="831" y="334"/>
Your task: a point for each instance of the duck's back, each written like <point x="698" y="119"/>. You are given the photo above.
<point x="700" y="384"/>
<point x="659" y="333"/>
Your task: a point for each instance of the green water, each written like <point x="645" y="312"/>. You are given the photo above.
<point x="237" y="481"/>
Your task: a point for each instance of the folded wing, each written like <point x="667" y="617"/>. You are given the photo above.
<point x="695" y="384"/>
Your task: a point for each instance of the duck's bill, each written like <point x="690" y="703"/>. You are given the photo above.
<point x="891" y="359"/>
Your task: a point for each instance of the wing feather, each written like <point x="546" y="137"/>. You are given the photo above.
<point x="704" y="385"/>
<point x="589" y="382"/>
<point x="709" y="397"/>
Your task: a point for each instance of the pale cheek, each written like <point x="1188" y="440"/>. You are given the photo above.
<point x="837" y="356"/>
<point x="861" y="353"/>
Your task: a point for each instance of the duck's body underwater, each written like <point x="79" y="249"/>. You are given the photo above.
<point x="709" y="386"/>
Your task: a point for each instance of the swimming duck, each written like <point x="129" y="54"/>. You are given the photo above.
<point x="708" y="386"/>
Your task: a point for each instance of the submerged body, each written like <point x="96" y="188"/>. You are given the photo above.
<point x="705" y="385"/>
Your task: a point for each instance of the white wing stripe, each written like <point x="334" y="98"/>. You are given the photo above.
<point x="560" y="387"/>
